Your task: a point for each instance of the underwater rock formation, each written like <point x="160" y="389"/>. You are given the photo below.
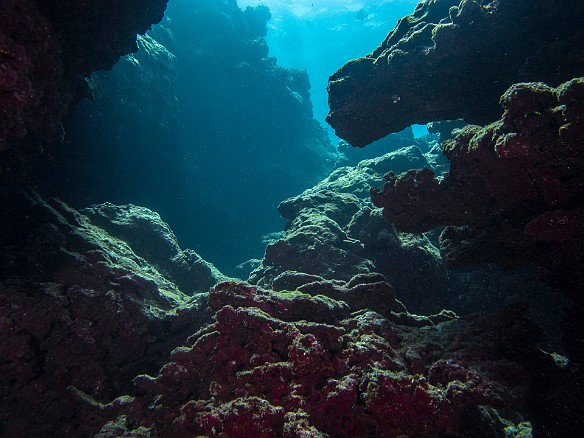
<point x="34" y="94"/>
<point x="194" y="126"/>
<point x="95" y="34"/>
<point x="452" y="59"/>
<point x="517" y="182"/>
<point x="47" y="49"/>
<point x="513" y="194"/>
<point x="333" y="232"/>
<point x="80" y="312"/>
<point x="152" y="239"/>
<point x="288" y="364"/>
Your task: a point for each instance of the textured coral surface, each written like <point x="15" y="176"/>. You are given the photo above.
<point x="452" y="59"/>
<point x="287" y="364"/>
<point x="519" y="181"/>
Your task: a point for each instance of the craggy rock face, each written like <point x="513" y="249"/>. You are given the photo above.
<point x="80" y="313"/>
<point x="449" y="61"/>
<point x="334" y="233"/>
<point x="514" y="192"/>
<point x="47" y="49"/>
<point x="519" y="181"/>
<point x="287" y="364"/>
<point x="152" y="239"/>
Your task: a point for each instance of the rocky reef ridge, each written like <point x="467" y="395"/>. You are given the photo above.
<point x="334" y="232"/>
<point x="81" y="312"/>
<point x="514" y="192"/>
<point x="289" y="364"/>
<point x="452" y="59"/>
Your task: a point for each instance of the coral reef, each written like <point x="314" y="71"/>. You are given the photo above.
<point x="514" y="192"/>
<point x="80" y="312"/>
<point x="107" y="326"/>
<point x="517" y="183"/>
<point x="452" y="59"/>
<point x="47" y="49"/>
<point x="334" y="232"/>
<point x="287" y="364"/>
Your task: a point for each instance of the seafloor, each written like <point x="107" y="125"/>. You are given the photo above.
<point x="420" y="287"/>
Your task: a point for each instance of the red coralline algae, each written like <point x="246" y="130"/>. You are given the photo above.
<point x="253" y="374"/>
<point x="518" y="179"/>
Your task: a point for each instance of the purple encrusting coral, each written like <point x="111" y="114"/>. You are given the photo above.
<point x="291" y="364"/>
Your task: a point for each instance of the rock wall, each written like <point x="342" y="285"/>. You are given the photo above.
<point x="120" y="146"/>
<point x="47" y="49"/>
<point x="518" y="180"/>
<point x="82" y="311"/>
<point x="452" y="59"/>
<point x="514" y="192"/>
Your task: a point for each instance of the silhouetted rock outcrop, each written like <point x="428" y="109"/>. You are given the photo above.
<point x="47" y="51"/>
